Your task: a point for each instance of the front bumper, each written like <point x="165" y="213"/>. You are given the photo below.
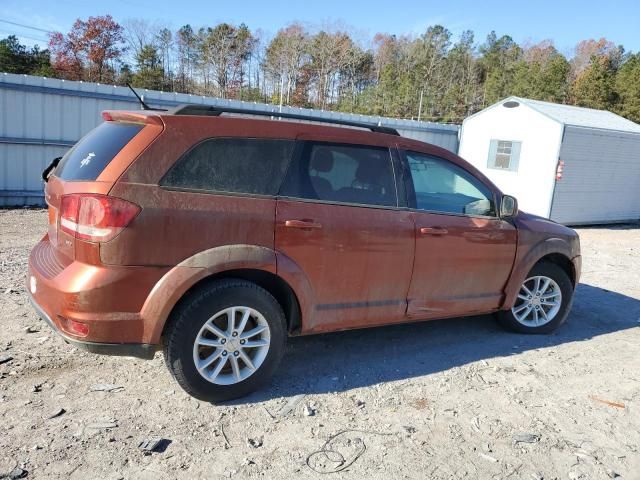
<point x="577" y="268"/>
<point x="139" y="350"/>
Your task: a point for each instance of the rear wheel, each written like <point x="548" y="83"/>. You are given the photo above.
<point x="543" y="302"/>
<point x="225" y="340"/>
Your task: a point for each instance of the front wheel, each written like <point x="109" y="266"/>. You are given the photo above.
<point x="225" y="340"/>
<point x="543" y="302"/>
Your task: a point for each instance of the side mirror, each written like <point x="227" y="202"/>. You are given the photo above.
<point x="508" y="206"/>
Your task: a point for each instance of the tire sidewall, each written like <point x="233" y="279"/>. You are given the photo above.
<point x="201" y="307"/>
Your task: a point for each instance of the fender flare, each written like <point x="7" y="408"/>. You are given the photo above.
<point x="176" y="282"/>
<point x="524" y="265"/>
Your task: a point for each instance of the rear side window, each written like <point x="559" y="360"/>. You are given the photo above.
<point x="89" y="157"/>
<point x="343" y="173"/>
<point x="239" y="165"/>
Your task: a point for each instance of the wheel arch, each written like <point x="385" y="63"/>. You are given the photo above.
<point x="271" y="282"/>
<point x="248" y="262"/>
<point x="562" y="261"/>
<point x="554" y="250"/>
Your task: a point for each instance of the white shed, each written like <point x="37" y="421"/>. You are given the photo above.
<point x="571" y="164"/>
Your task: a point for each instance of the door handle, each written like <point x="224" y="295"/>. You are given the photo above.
<point x="302" y="224"/>
<point x="433" y="231"/>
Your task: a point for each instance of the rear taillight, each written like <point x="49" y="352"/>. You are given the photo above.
<point x="93" y="217"/>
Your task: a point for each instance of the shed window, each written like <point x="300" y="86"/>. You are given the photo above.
<point x="504" y="155"/>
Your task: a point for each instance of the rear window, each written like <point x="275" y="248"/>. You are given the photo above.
<point x="238" y="165"/>
<point x="89" y="157"/>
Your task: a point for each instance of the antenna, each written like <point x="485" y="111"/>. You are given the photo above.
<point x="142" y="104"/>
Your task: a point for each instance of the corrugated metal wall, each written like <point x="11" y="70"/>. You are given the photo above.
<point x="40" y="118"/>
<point x="601" y="177"/>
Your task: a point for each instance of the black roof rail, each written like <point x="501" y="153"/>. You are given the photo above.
<point x="190" y="109"/>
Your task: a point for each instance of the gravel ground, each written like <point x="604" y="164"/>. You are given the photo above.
<point x="445" y="399"/>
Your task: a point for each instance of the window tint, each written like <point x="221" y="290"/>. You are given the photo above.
<point x="441" y="186"/>
<point x="242" y="165"/>
<point x="504" y="155"/>
<point x="89" y="157"/>
<point x="343" y="173"/>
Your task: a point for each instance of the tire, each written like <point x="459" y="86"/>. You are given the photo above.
<point x="197" y="318"/>
<point x="508" y="318"/>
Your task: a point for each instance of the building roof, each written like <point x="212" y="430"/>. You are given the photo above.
<point x="579" y="116"/>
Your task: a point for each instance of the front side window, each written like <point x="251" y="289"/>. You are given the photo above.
<point x="441" y="186"/>
<point x="237" y="165"/>
<point x="343" y="173"/>
<point x="504" y="155"/>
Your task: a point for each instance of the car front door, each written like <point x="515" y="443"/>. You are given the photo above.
<point x="464" y="252"/>
<point x="339" y="221"/>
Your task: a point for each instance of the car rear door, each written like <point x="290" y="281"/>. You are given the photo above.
<point x="464" y="252"/>
<point x="339" y="221"/>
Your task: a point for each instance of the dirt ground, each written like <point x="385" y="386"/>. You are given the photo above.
<point x="445" y="399"/>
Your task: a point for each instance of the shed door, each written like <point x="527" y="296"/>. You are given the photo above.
<point x="600" y="177"/>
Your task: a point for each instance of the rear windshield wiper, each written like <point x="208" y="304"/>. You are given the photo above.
<point x="47" y="171"/>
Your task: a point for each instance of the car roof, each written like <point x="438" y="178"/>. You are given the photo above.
<point x="201" y="127"/>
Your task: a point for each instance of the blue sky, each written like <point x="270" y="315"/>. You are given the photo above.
<point x="566" y="22"/>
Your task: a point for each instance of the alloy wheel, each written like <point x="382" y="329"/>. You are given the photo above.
<point x="539" y="301"/>
<point x="231" y="345"/>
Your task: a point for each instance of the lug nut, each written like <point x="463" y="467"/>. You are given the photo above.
<point x="234" y="334"/>
<point x="224" y="354"/>
<point x="242" y="342"/>
<point x="236" y="353"/>
<point x="223" y="341"/>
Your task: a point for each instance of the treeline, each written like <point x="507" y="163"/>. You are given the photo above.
<point x="435" y="76"/>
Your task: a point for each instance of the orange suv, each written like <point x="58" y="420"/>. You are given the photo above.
<point x="215" y="234"/>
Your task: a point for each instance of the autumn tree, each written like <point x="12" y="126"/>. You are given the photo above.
<point x="587" y="49"/>
<point x="89" y="50"/>
<point x="434" y="76"/>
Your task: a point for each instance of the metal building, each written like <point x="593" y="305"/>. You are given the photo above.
<point x="573" y="165"/>
<point x="40" y="118"/>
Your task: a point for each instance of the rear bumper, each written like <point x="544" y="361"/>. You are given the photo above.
<point x="139" y="350"/>
<point x="95" y="307"/>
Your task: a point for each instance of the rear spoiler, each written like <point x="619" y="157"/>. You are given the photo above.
<point x="139" y="116"/>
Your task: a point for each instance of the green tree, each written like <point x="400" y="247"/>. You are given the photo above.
<point x="462" y="92"/>
<point x="542" y="74"/>
<point x="627" y="85"/>
<point x="594" y="87"/>
<point x="499" y="57"/>
<point x="149" y="72"/>
<point x="17" y="58"/>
